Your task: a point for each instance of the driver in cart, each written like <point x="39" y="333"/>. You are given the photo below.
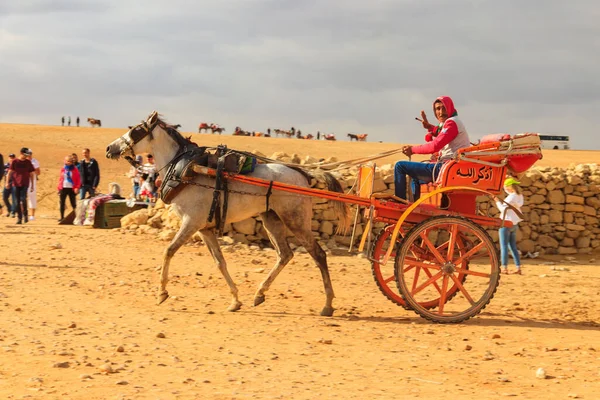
<point x="443" y="140"/>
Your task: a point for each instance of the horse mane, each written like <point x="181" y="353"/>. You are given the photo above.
<point x="174" y="133"/>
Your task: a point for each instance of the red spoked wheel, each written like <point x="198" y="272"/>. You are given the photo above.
<point x="465" y="266"/>
<point x="385" y="275"/>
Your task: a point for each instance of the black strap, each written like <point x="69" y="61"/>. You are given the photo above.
<point x="269" y="192"/>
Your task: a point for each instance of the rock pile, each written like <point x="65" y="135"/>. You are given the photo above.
<point x="561" y="211"/>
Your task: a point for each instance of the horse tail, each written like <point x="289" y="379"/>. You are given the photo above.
<point x="341" y="209"/>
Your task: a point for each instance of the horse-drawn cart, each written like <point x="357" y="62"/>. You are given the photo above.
<point x="433" y="255"/>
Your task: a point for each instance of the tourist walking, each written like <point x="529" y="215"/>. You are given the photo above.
<point x="20" y="173"/>
<point x="69" y="183"/>
<point x="508" y="236"/>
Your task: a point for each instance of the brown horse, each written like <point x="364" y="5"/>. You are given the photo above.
<point x="216" y="128"/>
<point x="361" y="137"/>
<point x="94" y="122"/>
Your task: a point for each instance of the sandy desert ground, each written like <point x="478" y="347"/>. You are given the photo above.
<point x="78" y="318"/>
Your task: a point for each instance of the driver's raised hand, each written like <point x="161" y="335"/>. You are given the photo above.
<point x="424" y="121"/>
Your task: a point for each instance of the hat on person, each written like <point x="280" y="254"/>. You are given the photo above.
<point x="149" y="156"/>
<point x="139" y="158"/>
<point x="11" y="155"/>
<point x="511" y="181"/>
<point x="29" y="152"/>
<point x="24" y="150"/>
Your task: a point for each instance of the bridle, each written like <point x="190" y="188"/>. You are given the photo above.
<point x="137" y="134"/>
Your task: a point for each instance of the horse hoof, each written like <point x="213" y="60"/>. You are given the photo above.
<point x="235" y="306"/>
<point x="258" y="300"/>
<point x="327" y="312"/>
<point x="162" y="297"/>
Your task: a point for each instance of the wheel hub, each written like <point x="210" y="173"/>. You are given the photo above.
<point x="448" y="268"/>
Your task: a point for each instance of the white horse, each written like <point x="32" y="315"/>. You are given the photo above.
<point x="193" y="203"/>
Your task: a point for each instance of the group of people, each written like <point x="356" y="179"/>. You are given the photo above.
<point x="62" y="121"/>
<point x="443" y="140"/>
<point x="144" y="179"/>
<point x="77" y="178"/>
<point x="20" y="185"/>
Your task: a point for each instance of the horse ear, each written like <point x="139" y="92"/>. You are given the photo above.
<point x="152" y="118"/>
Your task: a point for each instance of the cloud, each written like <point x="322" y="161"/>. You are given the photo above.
<point x="334" y="66"/>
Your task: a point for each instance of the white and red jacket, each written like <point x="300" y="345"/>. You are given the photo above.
<point x="451" y="135"/>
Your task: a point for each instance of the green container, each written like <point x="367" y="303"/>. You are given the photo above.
<point x="109" y="214"/>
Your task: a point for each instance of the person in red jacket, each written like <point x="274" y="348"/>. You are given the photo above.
<point x="69" y="183"/>
<point x="443" y="140"/>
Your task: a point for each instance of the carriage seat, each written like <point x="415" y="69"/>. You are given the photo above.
<point x="485" y="164"/>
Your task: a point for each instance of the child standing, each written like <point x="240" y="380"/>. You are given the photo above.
<point x="508" y="236"/>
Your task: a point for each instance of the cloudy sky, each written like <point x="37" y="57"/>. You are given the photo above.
<point x="330" y="65"/>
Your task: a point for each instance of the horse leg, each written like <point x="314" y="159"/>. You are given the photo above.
<point x="301" y="229"/>
<point x="276" y="232"/>
<point x="211" y="242"/>
<point x="185" y="232"/>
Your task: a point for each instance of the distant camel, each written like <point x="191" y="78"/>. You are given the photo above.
<point x="307" y="137"/>
<point x="94" y="122"/>
<point x="361" y="137"/>
<point x="330" y="136"/>
<point x="204" y="126"/>
<point x="239" y="132"/>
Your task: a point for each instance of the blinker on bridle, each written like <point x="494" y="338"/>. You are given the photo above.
<point x="137" y="133"/>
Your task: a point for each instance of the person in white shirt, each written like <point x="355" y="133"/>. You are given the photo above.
<point x="32" y="192"/>
<point x="150" y="169"/>
<point x="508" y="236"/>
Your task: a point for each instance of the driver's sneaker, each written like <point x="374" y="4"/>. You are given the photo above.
<point x="31" y="218"/>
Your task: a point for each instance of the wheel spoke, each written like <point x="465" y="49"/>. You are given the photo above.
<point x="388" y="280"/>
<point x="462" y="289"/>
<point x="416" y="278"/>
<point x="443" y="295"/>
<point x="427" y="283"/>
<point x="432" y="249"/>
<point x="471" y="272"/>
<point x="435" y="284"/>
<point x="452" y="241"/>
<point x="468" y="254"/>
<point x="422" y="264"/>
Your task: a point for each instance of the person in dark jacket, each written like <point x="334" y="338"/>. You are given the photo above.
<point x="20" y="173"/>
<point x="90" y="175"/>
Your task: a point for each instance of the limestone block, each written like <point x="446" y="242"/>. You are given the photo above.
<point x="544" y="219"/>
<point x="139" y="217"/>
<point x="555" y="216"/>
<point x="593" y="202"/>
<point x="570" y="199"/>
<point x="546" y="241"/>
<point x="568" y="218"/>
<point x="574" y="208"/>
<point x="526" y="245"/>
<point x="567" y="242"/>
<point x="247" y="226"/>
<point x="567" y="250"/>
<point x="536" y="199"/>
<point x="574" y="180"/>
<point x="326" y="227"/>
<point x="583" y="242"/>
<point x="574" y="227"/>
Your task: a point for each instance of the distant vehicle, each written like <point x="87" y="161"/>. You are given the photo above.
<point x="555" y="142"/>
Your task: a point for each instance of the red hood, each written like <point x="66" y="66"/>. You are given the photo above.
<point x="448" y="103"/>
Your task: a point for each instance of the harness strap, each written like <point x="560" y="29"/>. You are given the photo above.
<point x="269" y="193"/>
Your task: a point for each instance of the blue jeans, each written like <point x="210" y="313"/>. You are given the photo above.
<point x="9" y="200"/>
<point x="419" y="172"/>
<point x="86" y="189"/>
<point x="20" y="193"/>
<point x="136" y="190"/>
<point x="508" y="241"/>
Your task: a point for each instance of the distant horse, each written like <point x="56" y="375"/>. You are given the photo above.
<point x="361" y="137"/>
<point x="307" y="137"/>
<point x="329" y="136"/>
<point x="192" y="204"/>
<point x="204" y="126"/>
<point x="284" y="133"/>
<point x="94" y="122"/>
<point x="216" y="128"/>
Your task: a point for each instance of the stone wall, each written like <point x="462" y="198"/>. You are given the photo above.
<point x="561" y="212"/>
